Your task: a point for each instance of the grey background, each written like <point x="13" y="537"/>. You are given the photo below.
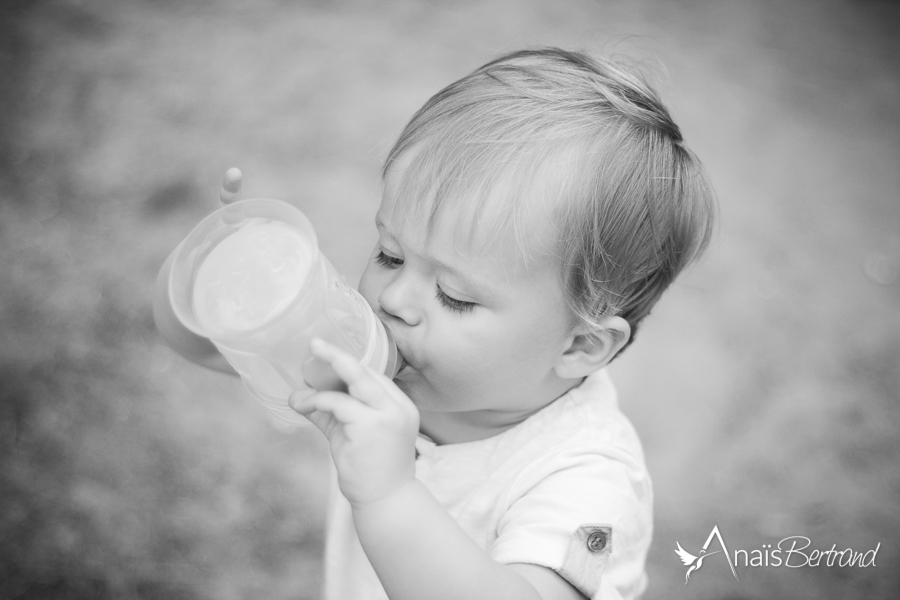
<point x="765" y="385"/>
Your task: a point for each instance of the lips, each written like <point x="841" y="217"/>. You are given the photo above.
<point x="403" y="363"/>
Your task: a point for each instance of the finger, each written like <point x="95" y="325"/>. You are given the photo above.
<point x="360" y="381"/>
<point x="368" y="386"/>
<point x="323" y="421"/>
<point x="344" y="408"/>
<point x="231" y="186"/>
<point x="319" y="375"/>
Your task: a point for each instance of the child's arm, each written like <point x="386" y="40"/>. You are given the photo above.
<point x="188" y="344"/>
<point x="415" y="546"/>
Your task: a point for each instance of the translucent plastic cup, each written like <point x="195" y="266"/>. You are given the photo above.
<point x="250" y="278"/>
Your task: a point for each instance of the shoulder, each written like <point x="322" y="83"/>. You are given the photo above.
<point x="581" y="428"/>
<point x="586" y="474"/>
<point x="581" y="455"/>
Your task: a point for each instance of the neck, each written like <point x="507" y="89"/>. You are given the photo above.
<point x="458" y="427"/>
<point x="470" y="426"/>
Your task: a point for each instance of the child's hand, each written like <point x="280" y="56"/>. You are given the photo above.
<point x="372" y="429"/>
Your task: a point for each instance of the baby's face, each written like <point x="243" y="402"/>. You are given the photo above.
<point x="479" y="330"/>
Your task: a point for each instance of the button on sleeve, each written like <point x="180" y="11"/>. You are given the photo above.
<point x="589" y="549"/>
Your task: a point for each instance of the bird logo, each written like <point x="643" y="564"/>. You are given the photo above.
<point x="694" y="562"/>
<point x="688" y="559"/>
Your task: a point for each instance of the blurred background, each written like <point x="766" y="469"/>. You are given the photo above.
<point x="766" y="385"/>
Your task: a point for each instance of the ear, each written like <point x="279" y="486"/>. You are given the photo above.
<point x="592" y="349"/>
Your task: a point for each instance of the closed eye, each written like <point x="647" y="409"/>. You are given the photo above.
<point x="386" y="260"/>
<point x="450" y="303"/>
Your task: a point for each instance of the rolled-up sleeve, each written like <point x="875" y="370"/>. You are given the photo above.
<point x="586" y="513"/>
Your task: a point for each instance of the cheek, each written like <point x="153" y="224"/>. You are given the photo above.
<point x="476" y="348"/>
<point x="474" y="368"/>
<point x="525" y="347"/>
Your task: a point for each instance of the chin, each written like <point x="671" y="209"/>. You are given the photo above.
<point x="402" y="381"/>
<point x="411" y="384"/>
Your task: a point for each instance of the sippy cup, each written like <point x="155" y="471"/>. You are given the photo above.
<point x="250" y="278"/>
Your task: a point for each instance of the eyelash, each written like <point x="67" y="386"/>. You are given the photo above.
<point x="448" y="302"/>
<point x="385" y="260"/>
<point x="453" y="304"/>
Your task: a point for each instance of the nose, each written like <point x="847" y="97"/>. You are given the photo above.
<point x="398" y="299"/>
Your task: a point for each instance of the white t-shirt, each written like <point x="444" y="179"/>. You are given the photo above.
<point x="566" y="489"/>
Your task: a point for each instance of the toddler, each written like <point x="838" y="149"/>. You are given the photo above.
<point x="533" y="213"/>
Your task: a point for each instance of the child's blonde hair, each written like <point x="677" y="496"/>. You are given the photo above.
<point x="580" y="145"/>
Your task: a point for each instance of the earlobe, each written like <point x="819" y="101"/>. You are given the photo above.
<point x="590" y="350"/>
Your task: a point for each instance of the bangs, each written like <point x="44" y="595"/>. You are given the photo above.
<point x="492" y="191"/>
<point x="501" y="153"/>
